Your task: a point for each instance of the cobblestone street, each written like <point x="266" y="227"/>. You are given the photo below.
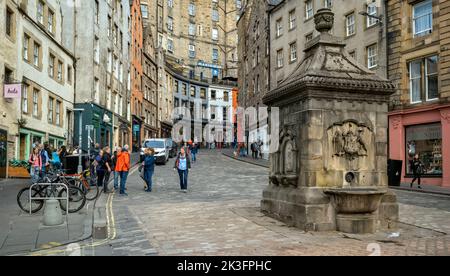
<point x="220" y="216"/>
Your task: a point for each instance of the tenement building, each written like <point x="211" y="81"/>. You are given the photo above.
<point x="419" y="121"/>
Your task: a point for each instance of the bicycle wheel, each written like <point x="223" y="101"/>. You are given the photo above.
<point x="77" y="199"/>
<point x="24" y="202"/>
<point x="91" y="191"/>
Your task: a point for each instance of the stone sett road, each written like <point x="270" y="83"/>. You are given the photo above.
<point x="220" y="216"/>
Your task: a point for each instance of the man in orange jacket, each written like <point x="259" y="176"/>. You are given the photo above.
<point x="123" y="166"/>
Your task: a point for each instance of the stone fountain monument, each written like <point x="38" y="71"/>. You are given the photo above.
<point x="330" y="171"/>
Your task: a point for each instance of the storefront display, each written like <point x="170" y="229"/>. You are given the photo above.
<point x="426" y="142"/>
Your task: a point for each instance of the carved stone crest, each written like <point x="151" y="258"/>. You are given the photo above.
<point x="350" y="140"/>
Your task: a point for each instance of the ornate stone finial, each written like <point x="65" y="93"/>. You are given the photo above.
<point x="324" y="20"/>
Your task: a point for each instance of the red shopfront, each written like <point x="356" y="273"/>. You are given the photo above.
<point x="424" y="131"/>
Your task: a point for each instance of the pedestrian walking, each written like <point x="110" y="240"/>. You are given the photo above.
<point x="254" y="150"/>
<point x="35" y="162"/>
<point x="194" y="152"/>
<point x="149" y="168"/>
<point x="183" y="165"/>
<point x="418" y="169"/>
<point x="107" y="161"/>
<point x="45" y="159"/>
<point x="100" y="168"/>
<point x="117" y="151"/>
<point x="123" y="167"/>
<point x="62" y="155"/>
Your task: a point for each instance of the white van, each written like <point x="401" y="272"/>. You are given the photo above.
<point x="161" y="147"/>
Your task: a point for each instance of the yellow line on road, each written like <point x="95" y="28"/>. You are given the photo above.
<point x="111" y="224"/>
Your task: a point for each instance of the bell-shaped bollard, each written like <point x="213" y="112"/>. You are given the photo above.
<point x="52" y="213"/>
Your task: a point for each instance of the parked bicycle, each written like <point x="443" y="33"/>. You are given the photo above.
<point x="77" y="197"/>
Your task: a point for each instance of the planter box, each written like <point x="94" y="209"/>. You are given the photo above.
<point x="18" y="172"/>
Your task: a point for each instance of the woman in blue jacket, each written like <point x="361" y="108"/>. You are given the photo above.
<point x="149" y="168"/>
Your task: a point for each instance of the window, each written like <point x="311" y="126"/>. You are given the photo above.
<point x="226" y="96"/>
<point x="191" y="9"/>
<point x="50" y="19"/>
<point x="50" y="110"/>
<point x="36" y="54"/>
<point x="170" y="23"/>
<point x="350" y="24"/>
<point x="109" y="26"/>
<point x="423" y="18"/>
<point x="431" y="71"/>
<point x="96" y="90"/>
<point x="144" y="11"/>
<point x="193" y="91"/>
<point x="372" y="11"/>
<point x="25" y="98"/>
<point x="110" y="62"/>
<point x="423" y="79"/>
<point x="170" y="45"/>
<point x="192" y="51"/>
<point x="215" y="55"/>
<point x="215" y="34"/>
<point x="184" y="89"/>
<point x="328" y="4"/>
<point x="60" y="71"/>
<point x="192" y="29"/>
<point x="26" y="43"/>
<point x="35" y="102"/>
<point x="309" y="9"/>
<point x="51" y="66"/>
<point x="292" y="20"/>
<point x="293" y="51"/>
<point x="279" y="26"/>
<point x="308" y="37"/>
<point x="97" y="12"/>
<point x="203" y="93"/>
<point x="215" y="15"/>
<point x="426" y="141"/>
<point x="257" y="55"/>
<point x="372" y="56"/>
<point x="40" y="12"/>
<point x="69" y="73"/>
<point x="9" y="24"/>
<point x="97" y="50"/>
<point x="280" y="58"/>
<point x="170" y="3"/>
<point x="213" y="94"/>
<point x="58" y="113"/>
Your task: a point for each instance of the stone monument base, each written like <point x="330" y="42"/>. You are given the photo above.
<point x="305" y="208"/>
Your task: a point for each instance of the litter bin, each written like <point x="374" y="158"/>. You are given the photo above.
<point x="395" y="172"/>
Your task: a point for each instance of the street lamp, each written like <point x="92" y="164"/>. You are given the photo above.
<point x="80" y="139"/>
<point x="379" y="18"/>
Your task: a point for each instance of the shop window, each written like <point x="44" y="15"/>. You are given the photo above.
<point x="426" y="142"/>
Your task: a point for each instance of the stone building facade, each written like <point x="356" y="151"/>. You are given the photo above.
<point x="45" y="69"/>
<point x="254" y="59"/>
<point x="200" y="36"/>
<point x="292" y="26"/>
<point x="98" y="33"/>
<point x="419" y="120"/>
<point x="10" y="39"/>
<point x="137" y="91"/>
<point x="150" y="87"/>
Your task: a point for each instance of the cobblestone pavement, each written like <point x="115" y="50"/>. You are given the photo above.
<point x="220" y="216"/>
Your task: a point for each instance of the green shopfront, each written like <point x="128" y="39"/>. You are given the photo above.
<point x="28" y="137"/>
<point x="100" y="119"/>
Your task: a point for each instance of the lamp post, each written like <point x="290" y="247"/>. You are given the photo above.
<point x="80" y="138"/>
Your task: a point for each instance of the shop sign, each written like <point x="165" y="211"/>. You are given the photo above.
<point x="13" y="91"/>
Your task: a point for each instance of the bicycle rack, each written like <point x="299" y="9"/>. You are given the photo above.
<point x="46" y="198"/>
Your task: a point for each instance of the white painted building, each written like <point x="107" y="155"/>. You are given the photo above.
<point x="220" y="105"/>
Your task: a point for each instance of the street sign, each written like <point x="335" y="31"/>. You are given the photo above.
<point x="89" y="127"/>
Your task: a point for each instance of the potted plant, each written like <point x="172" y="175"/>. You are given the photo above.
<point x="18" y="169"/>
